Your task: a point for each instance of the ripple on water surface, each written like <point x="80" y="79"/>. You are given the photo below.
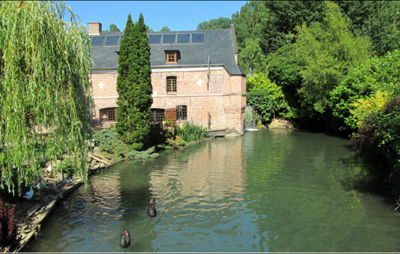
<point x="273" y="190"/>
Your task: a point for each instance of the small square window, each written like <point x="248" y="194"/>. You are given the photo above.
<point x="108" y="114"/>
<point x="171" y="56"/>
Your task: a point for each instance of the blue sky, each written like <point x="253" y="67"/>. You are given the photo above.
<point x="177" y="15"/>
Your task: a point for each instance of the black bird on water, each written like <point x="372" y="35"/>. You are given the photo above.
<point x="151" y="209"/>
<point x="125" y="239"/>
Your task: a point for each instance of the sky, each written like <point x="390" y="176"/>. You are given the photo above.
<point x="176" y="15"/>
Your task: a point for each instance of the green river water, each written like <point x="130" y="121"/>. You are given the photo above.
<point x="267" y="191"/>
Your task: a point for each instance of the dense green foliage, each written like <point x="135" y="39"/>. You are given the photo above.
<point x="379" y="135"/>
<point x="328" y="50"/>
<point x="44" y="87"/>
<point x="262" y="27"/>
<point x="124" y="126"/>
<point x="262" y="102"/>
<point x="285" y="68"/>
<point x="107" y="140"/>
<point x="219" y="23"/>
<point x="377" y="20"/>
<point x="266" y="97"/>
<point x="113" y="28"/>
<point x="134" y="85"/>
<point x="190" y="132"/>
<point x="364" y="81"/>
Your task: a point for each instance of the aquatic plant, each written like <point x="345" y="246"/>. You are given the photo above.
<point x="190" y="132"/>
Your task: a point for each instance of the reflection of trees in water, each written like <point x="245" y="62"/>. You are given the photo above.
<point x="207" y="174"/>
<point x="298" y="181"/>
<point x="201" y="192"/>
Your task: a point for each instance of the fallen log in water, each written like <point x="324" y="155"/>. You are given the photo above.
<point x="102" y="159"/>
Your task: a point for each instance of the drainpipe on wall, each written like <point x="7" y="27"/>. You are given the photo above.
<point x="208" y="73"/>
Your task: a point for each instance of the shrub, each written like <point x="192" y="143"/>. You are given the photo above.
<point x="190" y="132"/>
<point x="363" y="81"/>
<point x="380" y="135"/>
<point x="366" y="107"/>
<point x="107" y="140"/>
<point x="158" y="134"/>
<point x="262" y="90"/>
<point x="8" y="228"/>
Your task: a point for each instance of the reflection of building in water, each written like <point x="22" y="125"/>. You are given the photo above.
<point x="207" y="174"/>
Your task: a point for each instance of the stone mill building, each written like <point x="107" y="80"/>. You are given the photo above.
<point x="195" y="78"/>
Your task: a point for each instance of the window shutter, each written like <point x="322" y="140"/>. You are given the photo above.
<point x="170" y="114"/>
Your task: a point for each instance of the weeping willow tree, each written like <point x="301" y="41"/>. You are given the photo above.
<point x="44" y="90"/>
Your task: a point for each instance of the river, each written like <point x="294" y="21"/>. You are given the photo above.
<point x="267" y="191"/>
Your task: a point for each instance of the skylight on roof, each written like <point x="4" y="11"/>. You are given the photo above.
<point x="154" y="39"/>
<point x="169" y="38"/>
<point x="111" y="40"/>
<point x="98" y="41"/>
<point x="198" y="38"/>
<point x="183" y="38"/>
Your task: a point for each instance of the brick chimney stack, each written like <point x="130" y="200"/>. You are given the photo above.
<point x="94" y="28"/>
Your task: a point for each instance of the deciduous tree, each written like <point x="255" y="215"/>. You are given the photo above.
<point x="44" y="86"/>
<point x="219" y="23"/>
<point x="328" y="50"/>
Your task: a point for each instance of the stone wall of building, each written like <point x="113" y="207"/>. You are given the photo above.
<point x="214" y="99"/>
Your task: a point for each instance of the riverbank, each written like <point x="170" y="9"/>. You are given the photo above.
<point x="31" y="214"/>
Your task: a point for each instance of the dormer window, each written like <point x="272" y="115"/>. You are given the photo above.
<point x="171" y="56"/>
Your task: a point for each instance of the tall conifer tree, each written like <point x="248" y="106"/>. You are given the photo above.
<point x="124" y="85"/>
<point x="141" y="74"/>
<point x="134" y="87"/>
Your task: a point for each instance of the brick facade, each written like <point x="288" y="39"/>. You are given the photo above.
<point x="217" y="103"/>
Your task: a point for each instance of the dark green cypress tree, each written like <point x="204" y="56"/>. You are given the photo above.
<point x="124" y="85"/>
<point x="141" y="77"/>
<point x="134" y="85"/>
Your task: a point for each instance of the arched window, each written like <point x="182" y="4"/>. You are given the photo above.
<point x="171" y="85"/>
<point x="108" y="115"/>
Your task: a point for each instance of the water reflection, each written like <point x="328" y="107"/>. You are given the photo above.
<point x="272" y="190"/>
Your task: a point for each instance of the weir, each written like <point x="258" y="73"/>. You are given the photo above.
<point x="249" y="118"/>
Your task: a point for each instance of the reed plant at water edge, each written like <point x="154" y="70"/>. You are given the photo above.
<point x="190" y="132"/>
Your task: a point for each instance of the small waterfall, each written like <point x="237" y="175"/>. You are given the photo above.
<point x="249" y="118"/>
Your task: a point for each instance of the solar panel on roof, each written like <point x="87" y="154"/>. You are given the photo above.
<point x="183" y="38"/>
<point x="169" y="38"/>
<point x="197" y="38"/>
<point x="98" y="41"/>
<point x="153" y="39"/>
<point x="112" y="40"/>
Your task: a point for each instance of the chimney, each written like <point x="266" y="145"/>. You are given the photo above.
<point x="94" y="28"/>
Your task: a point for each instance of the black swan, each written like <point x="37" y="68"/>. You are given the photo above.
<point x="151" y="209"/>
<point x="125" y="239"/>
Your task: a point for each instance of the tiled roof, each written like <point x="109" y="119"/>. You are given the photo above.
<point x="219" y="44"/>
